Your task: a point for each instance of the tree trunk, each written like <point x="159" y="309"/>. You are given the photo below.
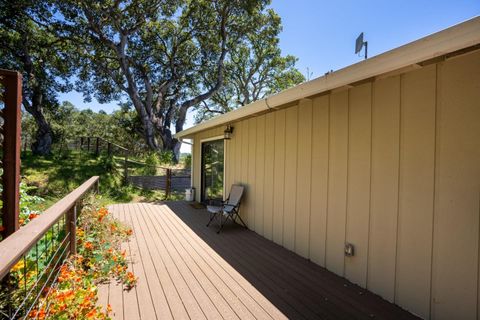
<point x="43" y="137"/>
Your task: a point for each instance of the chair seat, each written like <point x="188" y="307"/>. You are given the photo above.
<point x="214" y="209"/>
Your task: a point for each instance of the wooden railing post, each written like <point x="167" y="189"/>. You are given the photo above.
<point x="72" y="228"/>
<point x="168" y="183"/>
<point x="125" y="169"/>
<point x="96" y="188"/>
<point x="109" y="149"/>
<point x="97" y="151"/>
<point x="81" y="143"/>
<point x="88" y="144"/>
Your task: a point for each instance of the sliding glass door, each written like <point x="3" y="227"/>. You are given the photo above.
<point x="212" y="170"/>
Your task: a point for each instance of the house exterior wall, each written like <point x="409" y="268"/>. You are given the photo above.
<point x="391" y="166"/>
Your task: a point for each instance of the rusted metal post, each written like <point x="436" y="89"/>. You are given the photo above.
<point x="97" y="151"/>
<point x="72" y="228"/>
<point x="109" y="148"/>
<point x="12" y="98"/>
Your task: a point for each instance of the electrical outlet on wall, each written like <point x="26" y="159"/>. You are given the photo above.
<point x="349" y="249"/>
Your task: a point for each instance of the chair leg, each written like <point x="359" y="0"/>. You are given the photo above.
<point x="211" y="218"/>
<point x="241" y="220"/>
<point x="222" y="223"/>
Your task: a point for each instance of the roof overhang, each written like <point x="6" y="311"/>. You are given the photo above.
<point x="401" y="59"/>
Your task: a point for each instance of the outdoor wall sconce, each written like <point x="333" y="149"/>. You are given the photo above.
<point x="227" y="134"/>
<point x="349" y="250"/>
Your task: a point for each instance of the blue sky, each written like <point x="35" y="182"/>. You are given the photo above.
<point x="322" y="33"/>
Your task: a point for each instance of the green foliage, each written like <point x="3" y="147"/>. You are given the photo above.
<point x="32" y="45"/>
<point x="165" y="56"/>
<point x="151" y="163"/>
<point x="186" y="160"/>
<point x="255" y="70"/>
<point x="166" y="157"/>
<point x="108" y="163"/>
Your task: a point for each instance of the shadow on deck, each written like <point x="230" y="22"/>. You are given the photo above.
<point x="186" y="270"/>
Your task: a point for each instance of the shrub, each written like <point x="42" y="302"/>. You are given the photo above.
<point x="108" y="163"/>
<point x="167" y="157"/>
<point x="151" y="163"/>
<point x="187" y="161"/>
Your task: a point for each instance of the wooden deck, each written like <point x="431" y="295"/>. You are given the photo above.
<point x="187" y="271"/>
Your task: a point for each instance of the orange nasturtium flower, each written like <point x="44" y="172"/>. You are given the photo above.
<point x="32" y="215"/>
<point x="21" y="221"/>
<point x="92" y="314"/>
<point x="88" y="245"/>
<point x="102" y="212"/>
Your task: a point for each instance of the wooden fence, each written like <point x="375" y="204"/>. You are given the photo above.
<point x="165" y="178"/>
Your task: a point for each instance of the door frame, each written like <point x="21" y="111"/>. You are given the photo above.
<point x="224" y="162"/>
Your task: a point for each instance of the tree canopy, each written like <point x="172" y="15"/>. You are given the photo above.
<point x="30" y="46"/>
<point x="169" y="56"/>
<point x="163" y="57"/>
<point x="255" y="70"/>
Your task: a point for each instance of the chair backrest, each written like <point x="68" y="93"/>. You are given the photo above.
<point x="235" y="196"/>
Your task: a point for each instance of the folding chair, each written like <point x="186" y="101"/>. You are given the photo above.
<point x="229" y="208"/>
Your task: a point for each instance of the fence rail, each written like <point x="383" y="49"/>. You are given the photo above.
<point x="30" y="257"/>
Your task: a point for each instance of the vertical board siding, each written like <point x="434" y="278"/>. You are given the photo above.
<point x="244" y="165"/>
<point x="238" y="131"/>
<point x="337" y="182"/>
<point x="291" y="133"/>
<point x="391" y="166"/>
<point x="318" y="215"/>
<point x="279" y="176"/>
<point x="260" y="174"/>
<point x="251" y="185"/>
<point x="269" y="176"/>
<point x="384" y="192"/>
<point x="415" y="214"/>
<point x="456" y="230"/>
<point x="304" y="159"/>
<point x="358" y="189"/>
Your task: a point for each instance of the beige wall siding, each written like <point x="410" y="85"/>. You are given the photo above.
<point x="391" y="166"/>
<point x="457" y="180"/>
<point x="358" y="188"/>
<point x="415" y="213"/>
<point x="319" y="192"/>
<point x="290" y="199"/>
<point x="279" y="176"/>
<point x="337" y="183"/>
<point x="384" y="188"/>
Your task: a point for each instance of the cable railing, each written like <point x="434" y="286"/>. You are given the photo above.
<point x="31" y="257"/>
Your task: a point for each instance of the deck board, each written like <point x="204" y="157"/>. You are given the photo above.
<point x="187" y="271"/>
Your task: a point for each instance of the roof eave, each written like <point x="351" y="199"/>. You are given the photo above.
<point x="460" y="36"/>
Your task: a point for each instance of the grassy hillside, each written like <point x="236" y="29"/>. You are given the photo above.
<point x="54" y="176"/>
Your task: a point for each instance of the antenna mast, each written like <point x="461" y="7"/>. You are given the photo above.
<point x="359" y="44"/>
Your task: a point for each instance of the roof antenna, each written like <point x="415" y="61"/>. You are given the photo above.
<point x="359" y="43"/>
